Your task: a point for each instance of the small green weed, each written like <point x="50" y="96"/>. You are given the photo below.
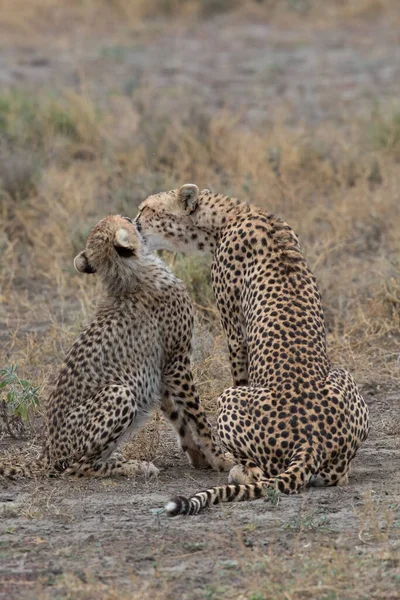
<point x="194" y="546"/>
<point x="17" y="397"/>
<point x="228" y="564"/>
<point x="62" y="121"/>
<point x="384" y="131"/>
<point x="213" y="592"/>
<point x="248" y="541"/>
<point x="115" y="52"/>
<point x="257" y="596"/>
<point x="273" y="496"/>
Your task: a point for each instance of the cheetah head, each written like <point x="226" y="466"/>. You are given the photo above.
<point x="112" y="245"/>
<point x="170" y="220"/>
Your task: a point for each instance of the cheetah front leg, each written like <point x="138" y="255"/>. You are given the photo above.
<point x="181" y="404"/>
<point x="179" y="420"/>
<point x="238" y="357"/>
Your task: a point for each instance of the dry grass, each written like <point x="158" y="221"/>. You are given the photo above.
<point x="51" y="17"/>
<point x="339" y="192"/>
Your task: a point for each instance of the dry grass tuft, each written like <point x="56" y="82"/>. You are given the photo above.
<point x="145" y="445"/>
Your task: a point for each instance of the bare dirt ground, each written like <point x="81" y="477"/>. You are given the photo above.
<point x="100" y="539"/>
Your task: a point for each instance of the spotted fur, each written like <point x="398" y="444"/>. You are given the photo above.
<point x="290" y="418"/>
<point x="133" y="357"/>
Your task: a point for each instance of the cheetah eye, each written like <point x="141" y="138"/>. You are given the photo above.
<point x="128" y="219"/>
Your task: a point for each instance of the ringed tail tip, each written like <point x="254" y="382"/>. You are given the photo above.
<point x="177" y="506"/>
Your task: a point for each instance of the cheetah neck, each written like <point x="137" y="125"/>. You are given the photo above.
<point x="217" y="214"/>
<point x="214" y="213"/>
<point x="149" y="275"/>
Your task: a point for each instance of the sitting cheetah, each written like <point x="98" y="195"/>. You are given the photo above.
<point x="134" y="356"/>
<point x="291" y="418"/>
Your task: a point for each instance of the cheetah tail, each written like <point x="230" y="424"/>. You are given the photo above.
<point x="225" y="493"/>
<point x="298" y="473"/>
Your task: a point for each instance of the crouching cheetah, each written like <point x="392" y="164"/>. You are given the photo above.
<point x="290" y="418"/>
<point x="134" y="356"/>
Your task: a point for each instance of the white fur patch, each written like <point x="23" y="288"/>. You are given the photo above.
<point x="171" y="507"/>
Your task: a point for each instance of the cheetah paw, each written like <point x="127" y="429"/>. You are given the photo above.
<point x="136" y="467"/>
<point x="149" y="470"/>
<point x="238" y="475"/>
<point x="242" y="475"/>
<point x="226" y="462"/>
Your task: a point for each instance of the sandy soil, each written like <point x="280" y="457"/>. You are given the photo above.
<point x="106" y="530"/>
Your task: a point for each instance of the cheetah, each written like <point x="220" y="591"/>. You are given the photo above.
<point x="290" y="418"/>
<point x="133" y="357"/>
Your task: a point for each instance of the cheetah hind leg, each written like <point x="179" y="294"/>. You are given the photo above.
<point x="175" y="414"/>
<point x="181" y="405"/>
<point x="331" y="475"/>
<point x="113" y="466"/>
<point x="96" y="449"/>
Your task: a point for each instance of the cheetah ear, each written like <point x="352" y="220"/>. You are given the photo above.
<point x="82" y="264"/>
<point x="125" y="243"/>
<point x="188" y="196"/>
